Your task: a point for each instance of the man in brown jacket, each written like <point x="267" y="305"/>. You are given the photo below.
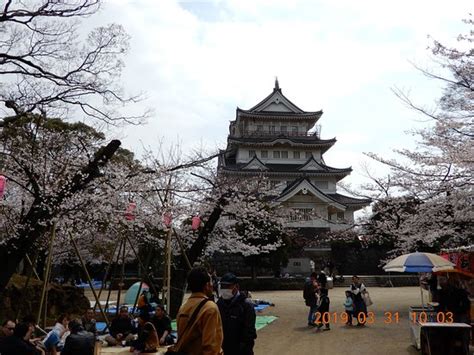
<point x="204" y="336"/>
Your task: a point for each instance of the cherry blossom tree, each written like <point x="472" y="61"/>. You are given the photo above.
<point x="426" y="202"/>
<point x="48" y="68"/>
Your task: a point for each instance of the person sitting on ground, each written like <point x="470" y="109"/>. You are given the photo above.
<point x="162" y="325"/>
<point x="79" y="341"/>
<point x="36" y="338"/>
<point x="147" y="341"/>
<point x="323" y="307"/>
<point x="88" y="321"/>
<point x="54" y="341"/>
<point x="18" y="343"/>
<point x="121" y="329"/>
<point x="7" y="328"/>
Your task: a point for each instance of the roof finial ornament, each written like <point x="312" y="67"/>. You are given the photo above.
<point x="277" y="86"/>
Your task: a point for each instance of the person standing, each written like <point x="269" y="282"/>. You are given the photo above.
<point x="199" y="321"/>
<point x="238" y="318"/>
<point x="309" y="295"/>
<point x="323" y="307"/>
<point x="360" y="309"/>
<point x="322" y="279"/>
<point x="349" y="307"/>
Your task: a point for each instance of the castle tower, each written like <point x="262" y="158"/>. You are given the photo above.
<point x="280" y="140"/>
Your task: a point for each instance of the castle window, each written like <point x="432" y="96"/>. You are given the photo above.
<point x="296" y="155"/>
<point x="259" y="128"/>
<point x="272" y="129"/>
<point x="264" y="153"/>
<point x="340" y="216"/>
<point x="283" y="129"/>
<point x="284" y="154"/>
<point x="294" y="129"/>
<point x="276" y="154"/>
<point x="251" y="153"/>
<point x="309" y="155"/>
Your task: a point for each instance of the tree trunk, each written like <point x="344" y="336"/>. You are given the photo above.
<point x="38" y="219"/>
<point x="179" y="274"/>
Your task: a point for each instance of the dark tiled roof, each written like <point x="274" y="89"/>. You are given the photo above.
<point x="291" y="168"/>
<point x="293" y="139"/>
<point x="347" y="200"/>
<point x="311" y="114"/>
<point x="276" y="89"/>
<point x="342" y="199"/>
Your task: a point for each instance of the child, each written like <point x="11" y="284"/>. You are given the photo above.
<point x="349" y="306"/>
<point x="323" y="307"/>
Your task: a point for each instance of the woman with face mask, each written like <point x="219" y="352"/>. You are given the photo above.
<point x="238" y="318"/>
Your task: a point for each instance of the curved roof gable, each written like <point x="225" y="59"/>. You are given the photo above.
<point x="313" y="165"/>
<point x="255" y="164"/>
<point x="305" y="186"/>
<point x="276" y="102"/>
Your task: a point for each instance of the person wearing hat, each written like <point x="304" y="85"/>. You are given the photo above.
<point x="238" y="318"/>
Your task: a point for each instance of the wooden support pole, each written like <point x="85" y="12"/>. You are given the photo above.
<point x="141" y="281"/>
<point x="183" y="251"/>
<point x="113" y="273"/>
<point x="32" y="265"/>
<point x="168" y="273"/>
<point x="104" y="279"/>
<point x="46" y="276"/>
<point x="141" y="265"/>
<point x="27" y="282"/>
<point x="121" y="279"/>
<point x="89" y="280"/>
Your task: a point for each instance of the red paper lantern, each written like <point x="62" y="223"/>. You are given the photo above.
<point x="129" y="213"/>
<point x="167" y="219"/>
<point x="195" y="223"/>
<point x="3" y="182"/>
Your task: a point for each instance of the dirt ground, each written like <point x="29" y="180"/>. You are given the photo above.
<point x="289" y="334"/>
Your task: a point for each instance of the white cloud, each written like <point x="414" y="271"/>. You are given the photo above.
<point x="197" y="61"/>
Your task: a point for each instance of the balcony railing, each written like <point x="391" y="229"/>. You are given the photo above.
<point x="267" y="134"/>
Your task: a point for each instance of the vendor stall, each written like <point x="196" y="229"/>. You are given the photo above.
<point x="425" y="317"/>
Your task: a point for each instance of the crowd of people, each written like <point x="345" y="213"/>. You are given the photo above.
<point x="205" y="324"/>
<point x="316" y="296"/>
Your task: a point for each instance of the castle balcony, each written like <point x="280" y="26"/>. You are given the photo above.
<point x="270" y="134"/>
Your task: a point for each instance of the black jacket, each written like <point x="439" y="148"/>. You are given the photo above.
<point x="122" y="326"/>
<point x="161" y="325"/>
<point x="13" y="345"/>
<point x="309" y="294"/>
<point x="238" y="323"/>
<point x="82" y="342"/>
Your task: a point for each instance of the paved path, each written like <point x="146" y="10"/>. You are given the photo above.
<point x="290" y="335"/>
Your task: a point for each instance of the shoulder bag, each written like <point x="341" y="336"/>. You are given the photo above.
<point x="175" y="349"/>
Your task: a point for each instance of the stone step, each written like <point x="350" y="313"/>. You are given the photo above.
<point x="381" y="280"/>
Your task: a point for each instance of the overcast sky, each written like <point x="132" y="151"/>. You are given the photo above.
<point x="198" y="60"/>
